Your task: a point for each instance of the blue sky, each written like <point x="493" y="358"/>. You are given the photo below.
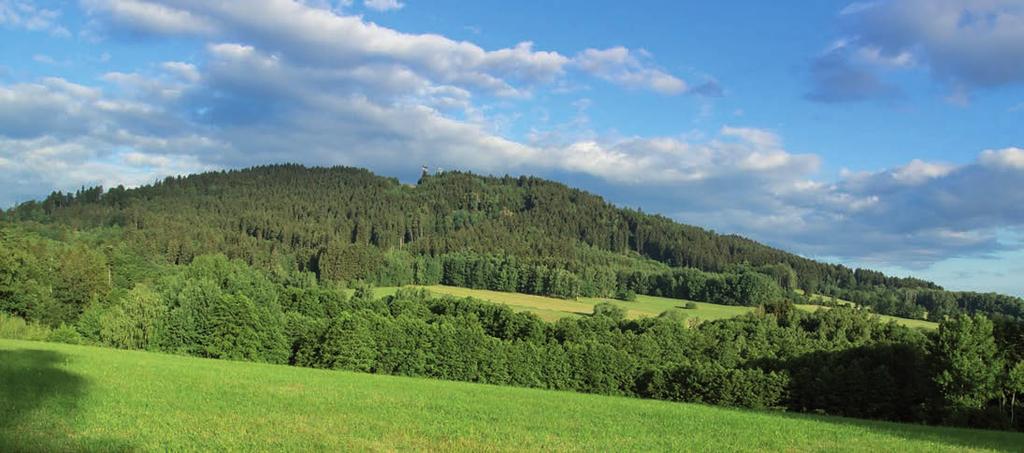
<point x="882" y="134"/>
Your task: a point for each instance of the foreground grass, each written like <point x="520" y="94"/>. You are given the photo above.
<point x="552" y="309"/>
<point x="68" y="398"/>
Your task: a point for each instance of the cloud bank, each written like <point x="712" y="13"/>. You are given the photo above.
<point x="965" y="45"/>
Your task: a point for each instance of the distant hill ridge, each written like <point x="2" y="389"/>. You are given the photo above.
<point x="347" y="223"/>
<point x="303" y="209"/>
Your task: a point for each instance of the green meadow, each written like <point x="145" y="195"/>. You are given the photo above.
<point x="74" y="398"/>
<point x="552" y="309"/>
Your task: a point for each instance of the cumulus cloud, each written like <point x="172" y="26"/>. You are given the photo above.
<point x="186" y="71"/>
<point x="628" y="68"/>
<point x="150" y="17"/>
<point x="1012" y="158"/>
<point x="52" y="106"/>
<point x="962" y="41"/>
<point x="58" y="134"/>
<point x="308" y="35"/>
<point x="964" y="44"/>
<point x="745" y="180"/>
<point x="941" y="210"/>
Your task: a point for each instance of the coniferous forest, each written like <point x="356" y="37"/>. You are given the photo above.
<point x="275" y="264"/>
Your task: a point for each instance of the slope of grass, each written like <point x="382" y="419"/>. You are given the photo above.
<point x="63" y="398"/>
<point x="919" y="323"/>
<point x="552" y="309"/>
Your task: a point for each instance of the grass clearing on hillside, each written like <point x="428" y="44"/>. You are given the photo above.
<point x="60" y="397"/>
<point x="552" y="309"/>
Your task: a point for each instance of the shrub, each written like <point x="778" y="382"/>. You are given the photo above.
<point x="627" y="295"/>
<point x="690" y="305"/>
<point x="610" y="311"/>
<point x="65" y="334"/>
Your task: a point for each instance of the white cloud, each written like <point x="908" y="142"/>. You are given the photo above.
<point x="738" y="160"/>
<point x="1012" y="158"/>
<point x="383" y="5"/>
<point x="151" y="17"/>
<point x="28" y="16"/>
<point x="918" y="171"/>
<point x="760" y="137"/>
<point x="628" y="68"/>
<point x="62" y="135"/>
<point x="312" y="36"/>
<point x="186" y="71"/>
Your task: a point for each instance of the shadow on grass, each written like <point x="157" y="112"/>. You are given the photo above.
<point x="882" y="381"/>
<point x="39" y="403"/>
<point x="959" y="438"/>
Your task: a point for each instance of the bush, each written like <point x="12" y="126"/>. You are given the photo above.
<point x="627" y="295"/>
<point x="610" y="311"/>
<point x="65" y="334"/>
<point x="690" y="305"/>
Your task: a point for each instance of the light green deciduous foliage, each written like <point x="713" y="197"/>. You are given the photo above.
<point x="1015" y="385"/>
<point x="135" y="321"/>
<point x="966" y="353"/>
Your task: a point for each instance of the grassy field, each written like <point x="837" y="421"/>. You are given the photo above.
<point x="552" y="309"/>
<point x="72" y="398"/>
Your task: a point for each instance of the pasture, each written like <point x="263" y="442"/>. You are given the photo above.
<point x="57" y="397"/>
<point x="552" y="309"/>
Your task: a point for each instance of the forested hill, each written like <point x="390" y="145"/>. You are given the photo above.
<point x="302" y="211"/>
<point x="503" y="233"/>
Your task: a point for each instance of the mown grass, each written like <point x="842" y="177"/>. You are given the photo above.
<point x="71" y="398"/>
<point x="552" y="309"/>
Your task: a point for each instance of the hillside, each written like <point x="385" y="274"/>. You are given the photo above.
<point x="60" y="397"/>
<point x="88" y="287"/>
<point x="510" y="234"/>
